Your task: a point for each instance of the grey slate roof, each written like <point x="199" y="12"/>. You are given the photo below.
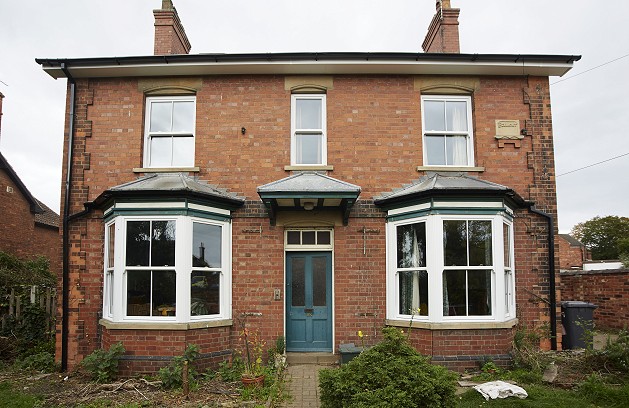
<point x="164" y="183"/>
<point x="571" y="240"/>
<point x="309" y="182"/>
<point x="48" y="217"/>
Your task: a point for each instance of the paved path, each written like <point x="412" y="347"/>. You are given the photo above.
<point x="302" y="382"/>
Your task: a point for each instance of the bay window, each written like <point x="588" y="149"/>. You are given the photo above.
<point x="169" y="269"/>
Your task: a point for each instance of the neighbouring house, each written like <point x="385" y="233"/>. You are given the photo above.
<point x="28" y="228"/>
<point x="317" y="194"/>
<point x="572" y="253"/>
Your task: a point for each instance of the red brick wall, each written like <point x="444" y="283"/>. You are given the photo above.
<point x="609" y="290"/>
<point x="571" y="256"/>
<point x="374" y="140"/>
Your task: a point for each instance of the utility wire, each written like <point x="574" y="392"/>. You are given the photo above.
<point x="592" y="165"/>
<point x="591" y="69"/>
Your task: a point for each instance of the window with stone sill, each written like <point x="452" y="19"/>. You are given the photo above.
<point x="448" y="268"/>
<point x="169" y="131"/>
<point x="447" y="130"/>
<point x="308" y="130"/>
<point x="167" y="269"/>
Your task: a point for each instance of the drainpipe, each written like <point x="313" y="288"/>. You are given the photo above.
<point x="551" y="276"/>
<point x="65" y="289"/>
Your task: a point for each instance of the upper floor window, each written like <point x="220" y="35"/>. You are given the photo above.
<point x="169" y="131"/>
<point x="447" y="130"/>
<point x="308" y="130"/>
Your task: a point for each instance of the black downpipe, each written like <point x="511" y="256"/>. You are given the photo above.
<point x="551" y="276"/>
<point x="65" y="289"/>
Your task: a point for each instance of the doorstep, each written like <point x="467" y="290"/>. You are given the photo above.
<point x="293" y="358"/>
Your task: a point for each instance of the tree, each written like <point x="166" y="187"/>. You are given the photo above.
<point x="604" y="236"/>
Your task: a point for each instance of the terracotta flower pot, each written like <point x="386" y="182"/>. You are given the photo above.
<point x="248" y="381"/>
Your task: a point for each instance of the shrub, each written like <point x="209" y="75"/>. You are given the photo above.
<point x="172" y="375"/>
<point x="390" y="374"/>
<point x="616" y="352"/>
<point x="43" y="361"/>
<point x="103" y="365"/>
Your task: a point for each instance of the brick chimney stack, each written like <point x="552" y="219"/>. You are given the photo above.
<point x="443" y="32"/>
<point x="170" y="37"/>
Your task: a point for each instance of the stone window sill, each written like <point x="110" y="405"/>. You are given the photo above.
<point x="309" y="168"/>
<point x="166" y="169"/>
<point x="452" y="325"/>
<point x="450" y="168"/>
<point x="108" y="324"/>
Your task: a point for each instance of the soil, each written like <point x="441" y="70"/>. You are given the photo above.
<point x="61" y="390"/>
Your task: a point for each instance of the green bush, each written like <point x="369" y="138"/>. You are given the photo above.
<point x="389" y="374"/>
<point x="44" y="362"/>
<point x="616" y="352"/>
<point x="172" y="375"/>
<point x="103" y="365"/>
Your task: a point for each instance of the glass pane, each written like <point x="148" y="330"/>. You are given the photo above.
<point x="298" y="278"/>
<point x="308" y="115"/>
<point x="454" y="291"/>
<point x="164" y="293"/>
<point x="138" y="293"/>
<point x="109" y="284"/>
<point x="456" y="150"/>
<point x="479" y="293"/>
<point x="480" y="243"/>
<point x="456" y="115"/>
<point x="308" y="237"/>
<point x="411" y="245"/>
<point x="111" y="235"/>
<point x="206" y="245"/>
<point x="414" y="292"/>
<point x="183" y="151"/>
<point x="138" y="243"/>
<point x="163" y="243"/>
<point x="455" y="243"/>
<point x="506" y="244"/>
<point x="161" y="151"/>
<point x="508" y="279"/>
<point x="323" y="237"/>
<point x="435" y="150"/>
<point x="434" y="118"/>
<point x="183" y="117"/>
<point x="319" y="281"/>
<point x="293" y="237"/>
<point x="161" y="116"/>
<point x="308" y="149"/>
<point x="204" y="293"/>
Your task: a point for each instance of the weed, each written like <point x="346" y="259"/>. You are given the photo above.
<point x="172" y="375"/>
<point x="103" y="365"/>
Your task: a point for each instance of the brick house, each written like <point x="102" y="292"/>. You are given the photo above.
<point x="572" y="252"/>
<point x="28" y="228"/>
<point x="316" y="193"/>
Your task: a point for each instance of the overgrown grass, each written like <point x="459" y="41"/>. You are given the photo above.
<point x="9" y="397"/>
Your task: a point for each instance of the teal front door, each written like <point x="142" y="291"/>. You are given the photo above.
<point x="309" y="301"/>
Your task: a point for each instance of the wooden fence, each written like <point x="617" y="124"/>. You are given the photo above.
<point x="15" y="299"/>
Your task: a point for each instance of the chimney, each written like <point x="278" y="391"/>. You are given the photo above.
<point x="170" y="37"/>
<point x="443" y="32"/>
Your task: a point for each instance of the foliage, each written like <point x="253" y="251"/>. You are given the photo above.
<point x="44" y="362"/>
<point x="231" y="372"/>
<point x="615" y="354"/>
<point x="30" y="332"/>
<point x="16" y="271"/>
<point x="172" y="375"/>
<point x="253" y="348"/>
<point x="603" y="235"/>
<point x="623" y="251"/>
<point x="389" y="374"/>
<point x="103" y="365"/>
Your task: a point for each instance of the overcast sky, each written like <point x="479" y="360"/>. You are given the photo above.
<point x="590" y="108"/>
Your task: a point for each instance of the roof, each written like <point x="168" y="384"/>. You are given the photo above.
<point x="48" y="217"/>
<point x="446" y="185"/>
<point x="309" y="182"/>
<point x="321" y="63"/>
<point x="170" y="184"/>
<point x="34" y="204"/>
<point x="571" y="240"/>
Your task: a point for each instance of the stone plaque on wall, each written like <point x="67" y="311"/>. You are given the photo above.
<point x="508" y="131"/>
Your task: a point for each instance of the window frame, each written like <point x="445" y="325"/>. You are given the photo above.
<point x="435" y="266"/>
<point x="117" y="291"/>
<point x="295" y="130"/>
<point x="148" y="135"/>
<point x="469" y="134"/>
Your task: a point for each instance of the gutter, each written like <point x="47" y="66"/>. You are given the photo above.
<point x="65" y="288"/>
<point x="551" y="275"/>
